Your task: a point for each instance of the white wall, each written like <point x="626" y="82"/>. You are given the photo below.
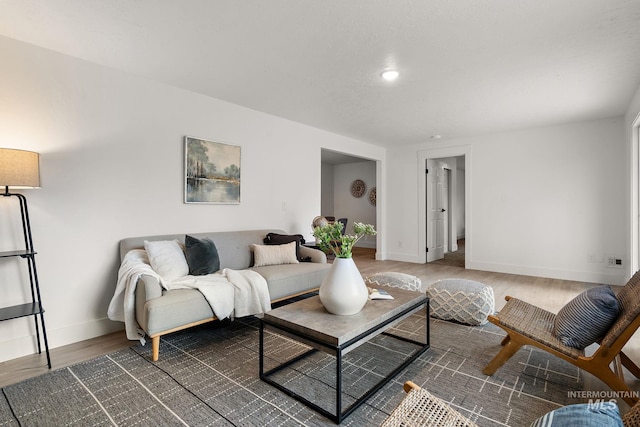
<point x="355" y="209"/>
<point x="632" y="138"/>
<point x="542" y="201"/>
<point x="111" y="149"/>
<point x="327" y="205"/>
<point x="633" y="111"/>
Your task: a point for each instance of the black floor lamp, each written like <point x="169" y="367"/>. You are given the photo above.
<point x="20" y="169"/>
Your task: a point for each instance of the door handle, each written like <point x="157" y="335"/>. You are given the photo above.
<point x="443" y="210"/>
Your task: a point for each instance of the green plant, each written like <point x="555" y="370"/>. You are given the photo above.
<point x="330" y="238"/>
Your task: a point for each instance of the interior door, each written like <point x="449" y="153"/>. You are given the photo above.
<point x="444" y="209"/>
<point x="436" y="212"/>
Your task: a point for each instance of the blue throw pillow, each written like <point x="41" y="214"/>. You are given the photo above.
<point x="202" y="256"/>
<point x="601" y="414"/>
<point x="587" y="318"/>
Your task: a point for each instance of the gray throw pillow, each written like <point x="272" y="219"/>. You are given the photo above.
<point x="587" y="318"/>
<point x="202" y="256"/>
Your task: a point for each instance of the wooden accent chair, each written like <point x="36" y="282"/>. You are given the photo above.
<point x="527" y="324"/>
<point x="421" y="408"/>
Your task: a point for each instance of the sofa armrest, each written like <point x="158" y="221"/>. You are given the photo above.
<point x="315" y="254"/>
<point x="147" y="288"/>
<point x="150" y="286"/>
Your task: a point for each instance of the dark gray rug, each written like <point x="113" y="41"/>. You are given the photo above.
<point x="209" y="376"/>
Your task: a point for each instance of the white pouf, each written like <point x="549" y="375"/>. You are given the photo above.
<point x="465" y="301"/>
<point x="396" y="280"/>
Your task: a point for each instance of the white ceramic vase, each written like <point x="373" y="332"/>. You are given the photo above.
<point x="343" y="290"/>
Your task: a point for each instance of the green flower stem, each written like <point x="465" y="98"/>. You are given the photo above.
<point x="330" y="238"/>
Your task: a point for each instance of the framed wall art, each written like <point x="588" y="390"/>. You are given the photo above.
<point x="211" y="172"/>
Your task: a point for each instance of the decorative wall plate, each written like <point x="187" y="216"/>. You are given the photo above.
<point x="372" y="196"/>
<point x="358" y="188"/>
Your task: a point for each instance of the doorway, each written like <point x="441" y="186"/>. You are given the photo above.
<point x="339" y="172"/>
<point x="445" y="211"/>
<point x="437" y="209"/>
<point x="456" y="178"/>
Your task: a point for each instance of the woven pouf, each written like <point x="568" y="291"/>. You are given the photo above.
<point x="396" y="280"/>
<point x="465" y="301"/>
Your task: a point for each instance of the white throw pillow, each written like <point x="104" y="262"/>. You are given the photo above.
<point x="274" y="254"/>
<point x="167" y="258"/>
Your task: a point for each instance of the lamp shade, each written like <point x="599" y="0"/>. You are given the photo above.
<point x="19" y="168"/>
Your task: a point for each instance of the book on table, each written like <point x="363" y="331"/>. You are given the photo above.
<point x="379" y="294"/>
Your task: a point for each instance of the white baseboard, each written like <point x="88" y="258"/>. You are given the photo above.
<point x="404" y="257"/>
<point x="27" y="345"/>
<point x="616" y="277"/>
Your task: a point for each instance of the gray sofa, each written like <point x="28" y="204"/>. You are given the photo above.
<point x="160" y="312"/>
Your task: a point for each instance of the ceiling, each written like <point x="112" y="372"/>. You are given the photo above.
<point x="336" y="158"/>
<point x="467" y="67"/>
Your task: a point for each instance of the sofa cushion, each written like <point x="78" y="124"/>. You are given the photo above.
<point x="292" y="279"/>
<point x="233" y="246"/>
<point x="274" y="254"/>
<point x="176" y="308"/>
<point x="586" y="318"/>
<point x="280" y="239"/>
<point x="167" y="258"/>
<point x="202" y="256"/>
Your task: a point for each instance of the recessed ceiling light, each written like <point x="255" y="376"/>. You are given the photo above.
<point x="435" y="136"/>
<point x="390" y="75"/>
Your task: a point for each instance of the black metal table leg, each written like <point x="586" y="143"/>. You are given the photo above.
<point x="341" y="414"/>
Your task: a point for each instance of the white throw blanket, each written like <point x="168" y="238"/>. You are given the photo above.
<point x="230" y="293"/>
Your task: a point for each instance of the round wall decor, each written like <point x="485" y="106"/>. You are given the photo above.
<point x="358" y="188"/>
<point x="372" y="196"/>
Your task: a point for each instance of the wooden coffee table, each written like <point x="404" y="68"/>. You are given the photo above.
<point x="306" y="321"/>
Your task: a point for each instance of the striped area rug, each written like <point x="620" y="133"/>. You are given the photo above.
<point x="209" y="376"/>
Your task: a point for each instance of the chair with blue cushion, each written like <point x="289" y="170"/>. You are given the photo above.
<point x="601" y="414"/>
<point x="596" y="315"/>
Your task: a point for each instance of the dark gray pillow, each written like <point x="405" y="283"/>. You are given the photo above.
<point x="202" y="256"/>
<point x="587" y="318"/>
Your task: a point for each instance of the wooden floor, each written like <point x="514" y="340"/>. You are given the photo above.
<point x="550" y="294"/>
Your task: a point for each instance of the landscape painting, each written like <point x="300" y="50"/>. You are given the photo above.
<point x="212" y="172"/>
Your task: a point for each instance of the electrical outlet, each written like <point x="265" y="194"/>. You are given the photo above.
<point x="614" y="262"/>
